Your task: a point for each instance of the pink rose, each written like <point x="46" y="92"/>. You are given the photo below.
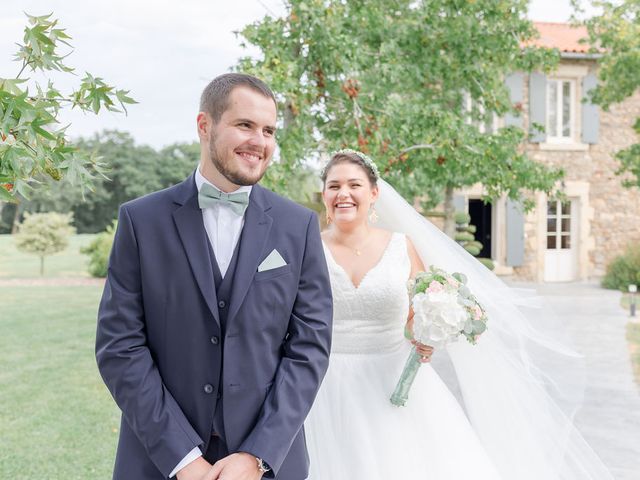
<point x="435" y="287"/>
<point x="453" y="282"/>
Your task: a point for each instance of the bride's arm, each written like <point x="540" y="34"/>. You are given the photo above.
<point x="416" y="263"/>
<point x="416" y="266"/>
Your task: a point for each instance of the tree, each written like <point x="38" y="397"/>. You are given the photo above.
<point x="389" y="77"/>
<point x="615" y="34"/>
<point x="31" y="142"/>
<point x="44" y="234"/>
<point x="130" y="171"/>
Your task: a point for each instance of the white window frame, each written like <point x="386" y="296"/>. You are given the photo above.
<point x="559" y="232"/>
<point x="481" y="126"/>
<point x="553" y="137"/>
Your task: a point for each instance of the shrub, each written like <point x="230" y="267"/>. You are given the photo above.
<point x="99" y="250"/>
<point x="462" y="218"/>
<point x="624" y="270"/>
<point x="464" y="237"/>
<point x="473" y="249"/>
<point x="487" y="262"/>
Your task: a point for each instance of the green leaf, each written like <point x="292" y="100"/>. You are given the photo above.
<point x="123" y="98"/>
<point x="10" y="85"/>
<point x="5" y="196"/>
<point x="43" y="133"/>
<point x="31" y="119"/>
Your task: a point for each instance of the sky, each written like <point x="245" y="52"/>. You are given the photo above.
<point x="163" y="51"/>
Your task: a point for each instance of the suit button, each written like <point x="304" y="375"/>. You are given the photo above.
<point x="222" y="304"/>
<point x="208" y="388"/>
<point x="215" y="340"/>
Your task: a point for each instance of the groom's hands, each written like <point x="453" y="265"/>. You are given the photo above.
<point x="199" y="469"/>
<point x="237" y="466"/>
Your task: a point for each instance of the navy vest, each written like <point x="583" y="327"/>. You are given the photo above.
<point x="223" y="294"/>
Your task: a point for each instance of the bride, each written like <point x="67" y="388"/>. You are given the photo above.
<point x="517" y="424"/>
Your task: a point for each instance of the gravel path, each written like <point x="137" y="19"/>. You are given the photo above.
<point x="53" y="282"/>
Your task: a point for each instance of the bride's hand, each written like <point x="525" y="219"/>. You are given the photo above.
<point x="425" y="351"/>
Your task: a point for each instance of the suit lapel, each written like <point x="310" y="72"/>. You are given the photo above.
<point x="188" y="220"/>
<point x="255" y="231"/>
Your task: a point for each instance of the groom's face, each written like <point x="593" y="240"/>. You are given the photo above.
<point x="242" y="142"/>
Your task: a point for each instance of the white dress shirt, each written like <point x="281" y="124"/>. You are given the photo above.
<point x="222" y="224"/>
<point x="223" y="227"/>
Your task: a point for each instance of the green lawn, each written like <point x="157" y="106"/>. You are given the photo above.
<point x="69" y="263"/>
<point x="57" y="419"/>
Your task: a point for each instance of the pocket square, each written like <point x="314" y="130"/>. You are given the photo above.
<point x="273" y="260"/>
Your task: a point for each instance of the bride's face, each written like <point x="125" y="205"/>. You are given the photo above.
<point x="348" y="194"/>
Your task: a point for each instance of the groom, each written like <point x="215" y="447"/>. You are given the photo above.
<point x="215" y="322"/>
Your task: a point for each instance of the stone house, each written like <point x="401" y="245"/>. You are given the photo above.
<point x="575" y="239"/>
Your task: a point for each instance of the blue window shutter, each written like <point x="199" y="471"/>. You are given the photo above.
<point x="590" y="112"/>
<point x="515" y="233"/>
<point x="537" y="106"/>
<point x="514" y="83"/>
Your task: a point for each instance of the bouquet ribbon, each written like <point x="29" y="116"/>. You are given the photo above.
<point x="411" y="366"/>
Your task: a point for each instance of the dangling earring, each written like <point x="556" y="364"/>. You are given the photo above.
<point x="373" y="215"/>
<point x="328" y="218"/>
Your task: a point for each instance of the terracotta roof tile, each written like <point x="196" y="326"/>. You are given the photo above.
<point x="562" y="36"/>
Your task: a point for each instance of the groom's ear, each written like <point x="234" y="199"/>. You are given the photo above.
<point x="204" y="123"/>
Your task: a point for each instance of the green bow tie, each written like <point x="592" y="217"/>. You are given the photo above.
<point x="209" y="196"/>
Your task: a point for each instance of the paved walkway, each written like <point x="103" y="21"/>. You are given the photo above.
<point x="610" y="417"/>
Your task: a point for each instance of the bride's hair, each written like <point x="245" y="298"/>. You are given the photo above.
<point x="356" y="158"/>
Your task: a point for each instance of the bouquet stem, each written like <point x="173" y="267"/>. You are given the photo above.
<point x="401" y="393"/>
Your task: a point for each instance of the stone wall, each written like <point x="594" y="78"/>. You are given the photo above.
<point x="616" y="222"/>
<point x="610" y="213"/>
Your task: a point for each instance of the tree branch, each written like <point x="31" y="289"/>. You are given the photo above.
<point x="421" y="146"/>
<point x="24" y="65"/>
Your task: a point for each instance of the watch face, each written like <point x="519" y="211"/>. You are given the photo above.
<point x="262" y="466"/>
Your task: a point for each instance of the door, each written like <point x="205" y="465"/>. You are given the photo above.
<point x="480" y="214"/>
<point x="561" y="243"/>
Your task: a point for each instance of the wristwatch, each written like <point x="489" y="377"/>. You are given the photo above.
<point x="263" y="467"/>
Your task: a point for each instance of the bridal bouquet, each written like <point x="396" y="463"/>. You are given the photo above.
<point x="444" y="309"/>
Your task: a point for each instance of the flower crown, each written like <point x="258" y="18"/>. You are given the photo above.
<point x="365" y="159"/>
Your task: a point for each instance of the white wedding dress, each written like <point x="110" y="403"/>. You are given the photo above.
<point x="353" y="431"/>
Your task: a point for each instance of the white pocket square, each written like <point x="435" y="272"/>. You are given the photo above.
<point x="273" y="260"/>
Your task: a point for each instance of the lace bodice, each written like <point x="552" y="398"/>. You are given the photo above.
<point x="370" y="318"/>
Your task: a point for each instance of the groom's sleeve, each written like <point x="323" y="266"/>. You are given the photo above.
<point x="305" y="360"/>
<point x="126" y="364"/>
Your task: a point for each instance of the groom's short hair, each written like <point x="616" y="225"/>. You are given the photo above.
<point x="215" y="97"/>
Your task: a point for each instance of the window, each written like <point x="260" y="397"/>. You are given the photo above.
<point x="488" y="125"/>
<point x="558" y="225"/>
<point x="561" y="110"/>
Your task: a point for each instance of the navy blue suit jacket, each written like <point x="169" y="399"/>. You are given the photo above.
<point x="158" y="342"/>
